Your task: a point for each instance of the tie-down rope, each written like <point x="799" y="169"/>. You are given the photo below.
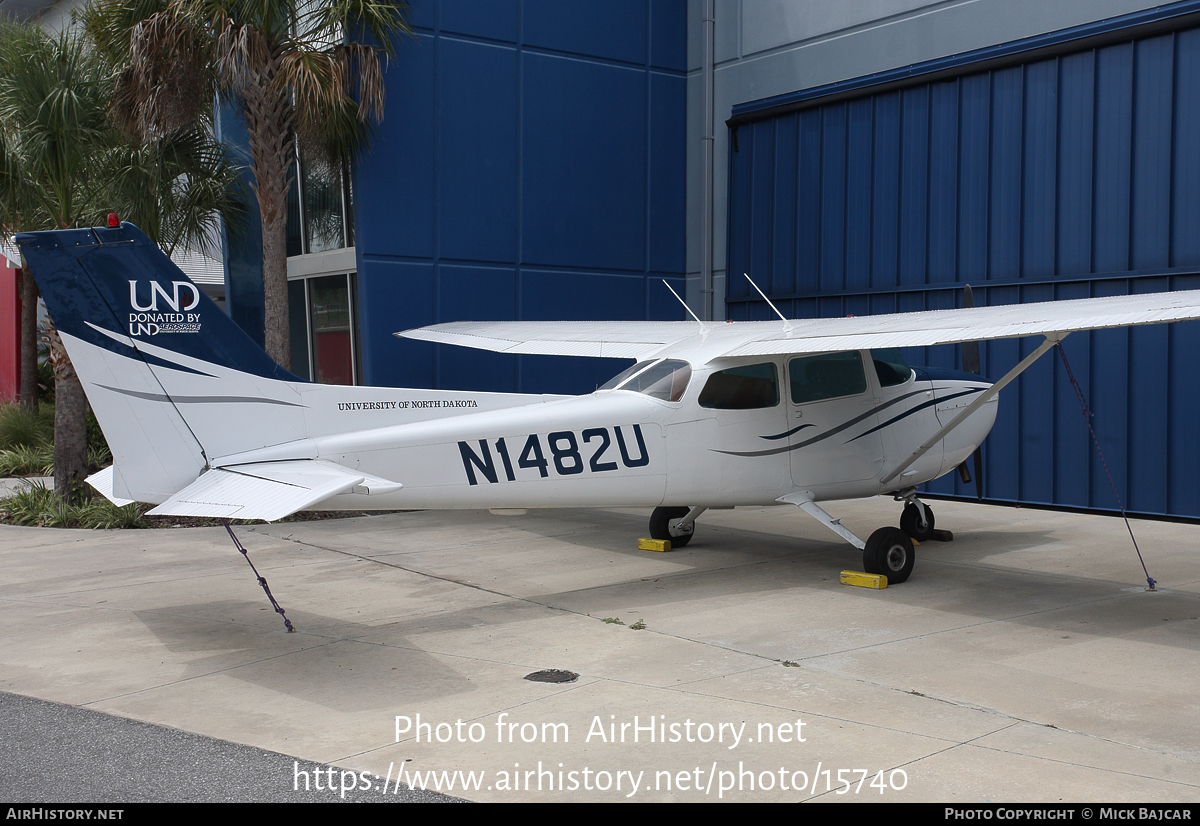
<point x="1087" y="418"/>
<point x="261" y="579"/>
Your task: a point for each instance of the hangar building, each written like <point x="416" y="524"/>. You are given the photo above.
<point x="549" y="160"/>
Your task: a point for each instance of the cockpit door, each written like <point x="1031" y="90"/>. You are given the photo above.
<point x="832" y="426"/>
<point x="724" y="455"/>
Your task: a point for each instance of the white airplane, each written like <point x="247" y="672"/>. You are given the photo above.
<point x="712" y="415"/>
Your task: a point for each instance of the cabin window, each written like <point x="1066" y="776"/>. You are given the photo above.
<point x="890" y="366"/>
<point x="665" y="379"/>
<point x="749" y="387"/>
<point x="827" y="376"/>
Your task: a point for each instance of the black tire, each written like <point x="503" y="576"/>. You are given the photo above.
<point x="910" y="522"/>
<point x="889" y="552"/>
<point x="660" y="526"/>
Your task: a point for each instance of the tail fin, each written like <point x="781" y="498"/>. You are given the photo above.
<point x="166" y="371"/>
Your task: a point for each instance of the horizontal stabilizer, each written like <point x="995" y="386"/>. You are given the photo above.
<point x="103" y="482"/>
<point x="269" y="490"/>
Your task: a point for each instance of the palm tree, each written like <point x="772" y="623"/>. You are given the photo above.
<point x="64" y="163"/>
<point x="290" y="68"/>
<point x="50" y="98"/>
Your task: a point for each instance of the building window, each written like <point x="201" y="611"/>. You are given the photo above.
<point x="321" y="290"/>
<point x="325" y="346"/>
<point x="319" y="212"/>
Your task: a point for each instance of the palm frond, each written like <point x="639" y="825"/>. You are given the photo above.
<point x="307" y="70"/>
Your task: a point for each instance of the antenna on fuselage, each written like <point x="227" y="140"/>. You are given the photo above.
<point x="787" y="325"/>
<point x="684" y="303"/>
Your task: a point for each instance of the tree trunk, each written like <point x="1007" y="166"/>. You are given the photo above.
<point x="70" y="424"/>
<point x="29" y="377"/>
<point x="277" y="333"/>
<point x="70" y="438"/>
<point x="273" y="157"/>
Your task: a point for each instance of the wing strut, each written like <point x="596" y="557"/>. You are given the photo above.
<point x="1051" y="340"/>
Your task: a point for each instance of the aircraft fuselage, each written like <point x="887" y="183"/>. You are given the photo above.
<point x="625" y="448"/>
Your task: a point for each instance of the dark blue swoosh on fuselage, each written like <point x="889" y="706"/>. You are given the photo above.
<point x="827" y="433"/>
<point x="957" y="376"/>
<point x="789" y="433"/>
<point x="913" y="410"/>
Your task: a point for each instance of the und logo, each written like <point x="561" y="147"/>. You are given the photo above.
<point x="171" y="317"/>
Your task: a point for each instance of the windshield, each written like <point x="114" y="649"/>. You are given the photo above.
<point x="890" y="366"/>
<point x="665" y="379"/>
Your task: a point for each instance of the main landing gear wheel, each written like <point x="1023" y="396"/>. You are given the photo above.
<point x="889" y="551"/>
<point x="664" y="524"/>
<point x="910" y="522"/>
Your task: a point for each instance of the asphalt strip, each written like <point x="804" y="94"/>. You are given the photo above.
<point x="64" y="754"/>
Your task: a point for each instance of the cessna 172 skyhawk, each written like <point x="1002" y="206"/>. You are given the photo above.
<point x="202" y="422"/>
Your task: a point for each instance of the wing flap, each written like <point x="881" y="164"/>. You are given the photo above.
<point x="269" y="490"/>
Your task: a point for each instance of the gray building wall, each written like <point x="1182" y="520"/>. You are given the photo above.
<point x="763" y="48"/>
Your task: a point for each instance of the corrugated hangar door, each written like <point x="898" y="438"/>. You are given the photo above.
<point x="1063" y="168"/>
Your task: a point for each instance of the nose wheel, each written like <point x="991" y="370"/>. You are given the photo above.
<point x="916" y="524"/>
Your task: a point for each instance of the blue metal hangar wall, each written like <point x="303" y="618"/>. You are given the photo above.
<point x="530" y="166"/>
<point x="1063" y="164"/>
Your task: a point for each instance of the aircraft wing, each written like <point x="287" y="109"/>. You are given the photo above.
<point x="633" y="339"/>
<point x="974" y="324"/>
<point x="602" y="339"/>
<point x="269" y="490"/>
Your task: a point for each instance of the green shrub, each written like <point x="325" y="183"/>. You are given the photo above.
<point x="37" y="506"/>
<point x="28" y="506"/>
<point x="98" y="458"/>
<point x="102" y="514"/>
<point x="25" y="460"/>
<point x="99" y="454"/>
<point x="20" y="428"/>
<point x="46" y="382"/>
<point x="27" y="442"/>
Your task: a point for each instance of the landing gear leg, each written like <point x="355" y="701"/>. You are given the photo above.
<point x="888" y="551"/>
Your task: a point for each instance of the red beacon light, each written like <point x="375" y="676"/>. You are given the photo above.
<point x="113" y="220"/>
